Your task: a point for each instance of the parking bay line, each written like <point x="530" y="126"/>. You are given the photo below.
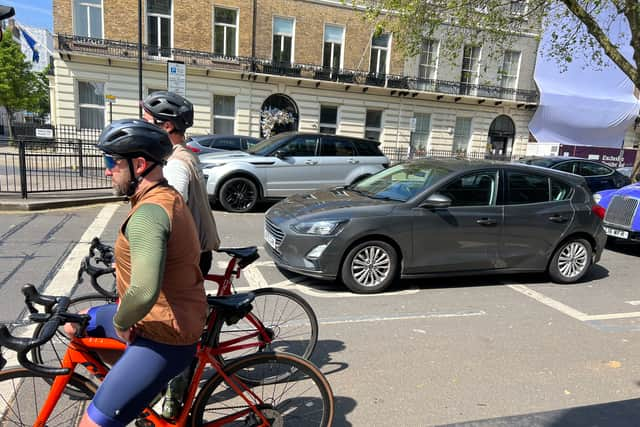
<point x="368" y="319"/>
<point x="570" y="311"/>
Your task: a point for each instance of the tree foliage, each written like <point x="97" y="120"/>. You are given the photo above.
<point x="581" y="27"/>
<point x="20" y="88"/>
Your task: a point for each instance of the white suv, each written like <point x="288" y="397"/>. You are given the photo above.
<point x="286" y="164"/>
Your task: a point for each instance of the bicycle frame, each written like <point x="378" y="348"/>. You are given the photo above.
<point x="79" y="352"/>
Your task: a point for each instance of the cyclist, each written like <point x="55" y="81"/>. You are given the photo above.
<point x="174" y="114"/>
<point x="162" y="308"/>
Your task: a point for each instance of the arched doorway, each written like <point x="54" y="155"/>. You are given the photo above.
<point x="501" y="134"/>
<point x="279" y="113"/>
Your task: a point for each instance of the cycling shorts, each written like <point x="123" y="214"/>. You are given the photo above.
<point x="140" y="374"/>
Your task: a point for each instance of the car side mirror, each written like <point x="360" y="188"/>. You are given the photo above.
<point x="436" y="200"/>
<point x="281" y="154"/>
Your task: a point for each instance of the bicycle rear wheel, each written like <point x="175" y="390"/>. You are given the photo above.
<point x="302" y="397"/>
<point x="23" y="392"/>
<point x="52" y="352"/>
<point x="288" y="319"/>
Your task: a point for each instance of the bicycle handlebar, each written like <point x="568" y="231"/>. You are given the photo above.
<point x="105" y="256"/>
<point x="105" y="251"/>
<point x="57" y="309"/>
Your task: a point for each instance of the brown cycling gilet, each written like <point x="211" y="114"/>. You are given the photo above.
<point x="179" y="314"/>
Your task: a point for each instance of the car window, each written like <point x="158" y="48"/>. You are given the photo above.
<point x="249" y="142"/>
<point x="476" y="189"/>
<point x="367" y="148"/>
<point x="227" y="143"/>
<point x="545" y="163"/>
<point x="594" y="169"/>
<point x="401" y="182"/>
<point x="205" y="142"/>
<point x="301" y="146"/>
<point x="560" y="190"/>
<point x="525" y="188"/>
<point x="571" y="167"/>
<point x="336" y="146"/>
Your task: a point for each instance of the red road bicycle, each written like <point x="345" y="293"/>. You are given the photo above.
<point x="280" y="320"/>
<point x="261" y="389"/>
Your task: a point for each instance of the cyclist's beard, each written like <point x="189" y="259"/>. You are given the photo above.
<point x="121" y="184"/>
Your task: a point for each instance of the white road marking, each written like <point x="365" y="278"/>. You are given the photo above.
<point x="254" y="278"/>
<point x="570" y="311"/>
<point x="633" y="302"/>
<point x="366" y="319"/>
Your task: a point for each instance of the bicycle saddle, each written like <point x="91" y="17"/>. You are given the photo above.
<point x="245" y="255"/>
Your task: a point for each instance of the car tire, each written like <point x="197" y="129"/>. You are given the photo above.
<point x="570" y="261"/>
<point x="370" y="267"/>
<point x="238" y="194"/>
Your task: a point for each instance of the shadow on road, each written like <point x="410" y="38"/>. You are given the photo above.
<point x="623" y="413"/>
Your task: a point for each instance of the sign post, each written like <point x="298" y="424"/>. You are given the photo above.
<point x="111" y="99"/>
<point x="176" y="77"/>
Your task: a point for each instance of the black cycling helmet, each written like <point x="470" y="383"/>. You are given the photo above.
<point x="170" y="107"/>
<point x="129" y="138"/>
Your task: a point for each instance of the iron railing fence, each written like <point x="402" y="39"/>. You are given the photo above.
<point x="398" y="155"/>
<point x="30" y="165"/>
<point x="403" y="85"/>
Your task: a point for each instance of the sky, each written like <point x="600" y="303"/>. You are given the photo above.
<point x="34" y="13"/>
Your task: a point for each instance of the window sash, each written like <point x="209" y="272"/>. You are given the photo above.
<point x="510" y="69"/>
<point x="378" y="63"/>
<point x="328" y="119"/>
<point x="332" y="54"/>
<point x="224" y="33"/>
<point x="283" y="26"/>
<point x="87" y="18"/>
<point x="470" y="64"/>
<point x="333" y="34"/>
<point x="462" y="134"/>
<point x="429" y="60"/>
<point x="282" y="48"/>
<point x="373" y="125"/>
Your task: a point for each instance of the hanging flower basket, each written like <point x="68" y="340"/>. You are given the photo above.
<point x="270" y="117"/>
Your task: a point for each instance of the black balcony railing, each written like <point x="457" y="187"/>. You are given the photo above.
<point x="402" y="84"/>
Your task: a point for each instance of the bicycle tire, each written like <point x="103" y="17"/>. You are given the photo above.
<point x="280" y="402"/>
<point x="52" y="352"/>
<point x="23" y="392"/>
<point x="287" y="316"/>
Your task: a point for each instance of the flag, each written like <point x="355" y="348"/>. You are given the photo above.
<point x="32" y="44"/>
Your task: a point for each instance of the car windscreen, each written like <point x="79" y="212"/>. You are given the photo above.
<point x="401" y="182"/>
<point x="266" y="146"/>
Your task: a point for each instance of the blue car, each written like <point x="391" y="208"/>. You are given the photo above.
<point x="622" y="217"/>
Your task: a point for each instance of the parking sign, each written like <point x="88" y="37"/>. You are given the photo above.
<point x="176" y="77"/>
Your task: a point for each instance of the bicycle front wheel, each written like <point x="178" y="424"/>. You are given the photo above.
<point x="284" y="316"/>
<point x="23" y="392"/>
<point x="52" y="352"/>
<point x="301" y="395"/>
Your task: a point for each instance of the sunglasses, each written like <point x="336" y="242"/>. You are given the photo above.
<point x="110" y="161"/>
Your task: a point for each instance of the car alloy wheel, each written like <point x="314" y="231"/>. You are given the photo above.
<point x="238" y="194"/>
<point x="370" y="267"/>
<point x="570" y="261"/>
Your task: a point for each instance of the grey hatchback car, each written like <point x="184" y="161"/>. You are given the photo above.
<point x="440" y="217"/>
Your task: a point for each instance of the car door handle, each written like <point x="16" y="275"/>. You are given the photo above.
<point x="487" y="221"/>
<point x="310" y="162"/>
<point x="558" y="218"/>
<point x="354" y="161"/>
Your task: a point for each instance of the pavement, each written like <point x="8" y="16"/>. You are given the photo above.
<point x="56" y="200"/>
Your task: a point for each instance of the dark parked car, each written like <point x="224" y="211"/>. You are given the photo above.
<point x="201" y="144"/>
<point x="440" y="217"/>
<point x="598" y="175"/>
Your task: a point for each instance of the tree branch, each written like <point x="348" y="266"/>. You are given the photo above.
<point x="609" y="48"/>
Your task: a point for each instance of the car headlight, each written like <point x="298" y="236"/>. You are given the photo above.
<point x="597" y="198"/>
<point x="319" y="228"/>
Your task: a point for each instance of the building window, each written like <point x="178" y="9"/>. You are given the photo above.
<point x="283" y="40"/>
<point x="518" y="7"/>
<point x="509" y="71"/>
<point x="224" y="113"/>
<point x="379" y="54"/>
<point x="328" y="119"/>
<point x="373" y="125"/>
<point x="462" y="134"/>
<point x="91" y="105"/>
<point x="159" y="27"/>
<point x="225" y="22"/>
<point x="470" y="69"/>
<point x="428" y="67"/>
<point x="332" y="49"/>
<point x="87" y="18"/>
<point x="152" y="90"/>
<point x="419" y="144"/>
